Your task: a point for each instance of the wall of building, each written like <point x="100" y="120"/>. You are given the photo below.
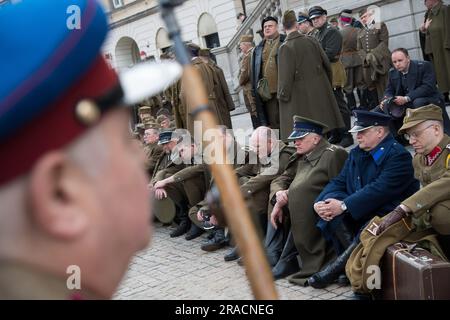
<point x="143" y="30"/>
<point x="140" y="21"/>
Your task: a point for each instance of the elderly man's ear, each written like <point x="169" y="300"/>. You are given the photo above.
<point x="60" y="197"/>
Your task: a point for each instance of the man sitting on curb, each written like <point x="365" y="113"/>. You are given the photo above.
<point x="430" y="206"/>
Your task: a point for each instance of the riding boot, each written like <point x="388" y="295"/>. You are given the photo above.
<point x="288" y="263"/>
<point x="332" y="271"/>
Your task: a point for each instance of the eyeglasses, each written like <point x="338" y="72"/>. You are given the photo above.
<point x="416" y="134"/>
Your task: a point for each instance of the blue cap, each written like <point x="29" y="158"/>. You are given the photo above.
<point x="304" y="126"/>
<point x="55" y="82"/>
<point x="165" y="137"/>
<point x="44" y="55"/>
<point x="302" y="17"/>
<point x="368" y="119"/>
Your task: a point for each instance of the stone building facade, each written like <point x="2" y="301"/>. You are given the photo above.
<point x="138" y="33"/>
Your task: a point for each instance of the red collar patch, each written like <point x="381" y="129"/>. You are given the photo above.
<point x="433" y="155"/>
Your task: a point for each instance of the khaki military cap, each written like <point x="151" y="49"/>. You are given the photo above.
<point x="246" y="38"/>
<point x="151" y="125"/>
<point x="144" y="110"/>
<point x="289" y="17"/>
<point x="161" y="118"/>
<point x="415" y="116"/>
<point x="164" y="210"/>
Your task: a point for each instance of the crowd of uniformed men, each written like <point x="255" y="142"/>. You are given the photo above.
<point x="310" y="209"/>
<point x="76" y="202"/>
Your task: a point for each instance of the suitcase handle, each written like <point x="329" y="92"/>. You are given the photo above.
<point x="403" y="247"/>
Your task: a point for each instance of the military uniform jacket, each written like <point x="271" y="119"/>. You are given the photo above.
<point x="207" y="76"/>
<point x="312" y="171"/>
<point x="373" y="47"/>
<point x="437" y="44"/>
<point x="173" y="93"/>
<point x="305" y="84"/>
<point x="257" y="73"/>
<point x="373" y="183"/>
<point x="166" y="167"/>
<point x="19" y="281"/>
<point x="244" y="72"/>
<point x="331" y="41"/>
<point x="152" y="153"/>
<point x="304" y="179"/>
<point x="435" y="180"/>
<point x="192" y="172"/>
<point x="350" y="57"/>
<point x="267" y="173"/>
<point x="224" y="101"/>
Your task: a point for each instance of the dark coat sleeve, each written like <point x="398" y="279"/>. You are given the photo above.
<point x="286" y="72"/>
<point x="337" y="188"/>
<point x="392" y="83"/>
<point x="332" y="44"/>
<point x="396" y="176"/>
<point x="427" y="85"/>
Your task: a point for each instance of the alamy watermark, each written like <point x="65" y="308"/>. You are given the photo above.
<point x="73" y="21"/>
<point x="74" y="279"/>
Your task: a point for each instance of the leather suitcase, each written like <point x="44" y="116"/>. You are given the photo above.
<point x="412" y="273"/>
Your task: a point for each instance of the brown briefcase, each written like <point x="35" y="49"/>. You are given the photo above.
<point x="412" y="273"/>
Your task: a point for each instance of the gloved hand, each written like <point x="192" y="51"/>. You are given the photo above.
<point x="392" y="217"/>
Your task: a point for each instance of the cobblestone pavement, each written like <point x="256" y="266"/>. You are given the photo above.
<point x="176" y="269"/>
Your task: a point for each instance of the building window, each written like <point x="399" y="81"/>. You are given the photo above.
<point x="212" y="40"/>
<point x="207" y="31"/>
<point x="117" y="3"/>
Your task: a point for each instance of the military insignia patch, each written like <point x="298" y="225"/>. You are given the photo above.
<point x="372" y="228"/>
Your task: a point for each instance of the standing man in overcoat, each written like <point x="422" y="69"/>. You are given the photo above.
<point x="265" y="65"/>
<point x="330" y="39"/>
<point x="304" y="80"/>
<point x="246" y="47"/>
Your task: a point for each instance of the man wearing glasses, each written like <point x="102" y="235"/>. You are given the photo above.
<point x="430" y="206"/>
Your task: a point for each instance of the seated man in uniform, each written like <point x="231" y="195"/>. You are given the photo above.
<point x="192" y="182"/>
<point x="169" y="163"/>
<point x="255" y="178"/>
<point x="74" y="205"/>
<point x="152" y="149"/>
<point x="315" y="163"/>
<point x="376" y="177"/>
<point x="430" y="206"/>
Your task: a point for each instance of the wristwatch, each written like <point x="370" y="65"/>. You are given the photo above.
<point x="343" y="206"/>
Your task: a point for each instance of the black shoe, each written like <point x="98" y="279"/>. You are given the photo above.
<point x="219" y="241"/>
<point x="285" y="268"/>
<point x="343" y="280"/>
<point x="231" y="255"/>
<point x="210" y="235"/>
<point x="361" y="296"/>
<point x="194" y="232"/>
<point x="332" y="271"/>
<point x="346" y="141"/>
<point x="181" y="229"/>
